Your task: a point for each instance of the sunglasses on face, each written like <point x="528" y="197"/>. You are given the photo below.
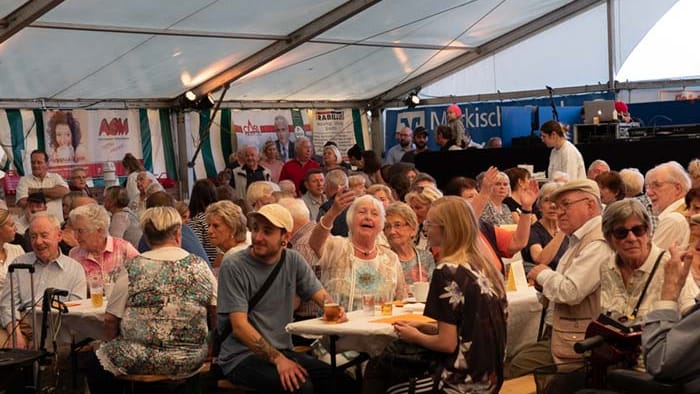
<point x="621" y="233"/>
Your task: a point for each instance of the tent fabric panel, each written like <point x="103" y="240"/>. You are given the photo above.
<point x="478" y="78"/>
<point x="258" y="17"/>
<point x="337" y="73"/>
<point x="163" y="67"/>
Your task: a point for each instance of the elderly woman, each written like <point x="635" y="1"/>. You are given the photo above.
<point x="496" y="212"/>
<point x="331" y="158"/>
<point x="134" y="167"/>
<point x="124" y="222"/>
<point x="547" y="243"/>
<point x="637" y="262"/>
<point x="381" y="193"/>
<point x="8" y="251"/>
<point x="462" y="187"/>
<point x="420" y="200"/>
<point x="468" y="301"/>
<point x="358" y="265"/>
<point x="156" y="321"/>
<point x="260" y="193"/>
<point x="100" y="254"/>
<point x="400" y="229"/>
<point x="143" y="183"/>
<point x="226" y="226"/>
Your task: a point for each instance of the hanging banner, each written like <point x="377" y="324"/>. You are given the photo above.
<point x="257" y="127"/>
<point x="335" y="125"/>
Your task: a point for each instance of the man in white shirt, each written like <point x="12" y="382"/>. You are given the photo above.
<point x="574" y="288"/>
<point x="52" y="185"/>
<point x="666" y="186"/>
<point x="396" y="152"/>
<point x="52" y="269"/>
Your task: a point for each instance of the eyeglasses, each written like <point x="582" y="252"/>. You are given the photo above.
<point x="621" y="233"/>
<point x="566" y="204"/>
<point x="428" y="224"/>
<point x="656" y="185"/>
<point x="397" y="226"/>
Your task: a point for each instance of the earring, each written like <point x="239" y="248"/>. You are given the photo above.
<point x="283" y="243"/>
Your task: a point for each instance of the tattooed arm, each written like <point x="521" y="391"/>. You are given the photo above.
<point x="291" y="374"/>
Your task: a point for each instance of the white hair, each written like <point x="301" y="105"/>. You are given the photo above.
<point x="96" y="215"/>
<point x="298" y="209"/>
<point x="366" y="198"/>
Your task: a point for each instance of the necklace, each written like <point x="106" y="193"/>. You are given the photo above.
<point x="365" y="252"/>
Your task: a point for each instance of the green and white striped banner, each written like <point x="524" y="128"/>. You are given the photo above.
<point x="22" y="131"/>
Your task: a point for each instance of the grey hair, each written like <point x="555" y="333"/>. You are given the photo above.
<point x="335" y="178"/>
<point x="598" y="162"/>
<point x="300" y="141"/>
<point x="298" y="209"/>
<point x="546" y="189"/>
<point x="616" y="213"/>
<point x="95" y="214"/>
<point x="676" y="173"/>
<point x="633" y="180"/>
<point x="159" y="224"/>
<point x="45" y="214"/>
<point x="404" y="211"/>
<point x="366" y="198"/>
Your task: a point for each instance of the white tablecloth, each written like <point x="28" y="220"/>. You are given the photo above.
<point x="361" y="335"/>
<point x="82" y="321"/>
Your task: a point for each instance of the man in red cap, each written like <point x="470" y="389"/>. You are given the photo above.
<point x="623" y="113"/>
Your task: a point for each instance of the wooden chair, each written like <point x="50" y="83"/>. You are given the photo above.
<point x="190" y="384"/>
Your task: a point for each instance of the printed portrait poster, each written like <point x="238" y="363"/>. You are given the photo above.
<point x="257" y="127"/>
<point x="90" y="138"/>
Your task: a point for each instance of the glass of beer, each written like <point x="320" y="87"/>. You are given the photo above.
<point x="331" y="312"/>
<point x="96" y="296"/>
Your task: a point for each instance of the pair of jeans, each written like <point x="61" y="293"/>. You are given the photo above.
<point x="262" y="375"/>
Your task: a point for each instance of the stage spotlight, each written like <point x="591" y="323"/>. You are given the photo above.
<point x="412" y="100"/>
<point x="190" y="95"/>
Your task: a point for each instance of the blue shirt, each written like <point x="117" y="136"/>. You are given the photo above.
<point x="190" y="243"/>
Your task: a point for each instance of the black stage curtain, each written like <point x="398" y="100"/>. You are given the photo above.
<point x="643" y="155"/>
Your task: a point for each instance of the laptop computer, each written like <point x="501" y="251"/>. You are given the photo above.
<point x="604" y="109"/>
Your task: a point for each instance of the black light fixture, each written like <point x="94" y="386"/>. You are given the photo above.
<point x="206" y="102"/>
<point x="412" y="100"/>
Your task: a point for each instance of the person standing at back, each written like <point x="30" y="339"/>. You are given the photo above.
<point x="564" y="156"/>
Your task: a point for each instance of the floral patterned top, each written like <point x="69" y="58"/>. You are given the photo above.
<point x="491" y="215"/>
<point x="163" y="327"/>
<point x="466" y="298"/>
<point x="347" y="278"/>
<point x="419" y="268"/>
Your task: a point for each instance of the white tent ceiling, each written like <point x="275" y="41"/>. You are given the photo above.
<point x="304" y="50"/>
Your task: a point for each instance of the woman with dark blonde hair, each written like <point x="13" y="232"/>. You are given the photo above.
<point x="8" y="251"/>
<point x="467" y="299"/>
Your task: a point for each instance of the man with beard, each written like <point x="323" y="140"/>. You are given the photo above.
<point x="258" y="352"/>
<point x="405" y="144"/>
<point x="420" y="139"/>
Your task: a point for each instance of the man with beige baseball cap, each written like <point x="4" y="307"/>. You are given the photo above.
<point x="574" y="288"/>
<point x="258" y="351"/>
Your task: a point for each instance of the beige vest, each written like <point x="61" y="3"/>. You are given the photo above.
<point x="569" y="322"/>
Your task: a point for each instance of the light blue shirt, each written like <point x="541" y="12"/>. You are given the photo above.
<point x="63" y="273"/>
<point x="396" y="152"/>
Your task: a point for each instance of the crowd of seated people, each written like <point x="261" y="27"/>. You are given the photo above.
<point x="339" y="231"/>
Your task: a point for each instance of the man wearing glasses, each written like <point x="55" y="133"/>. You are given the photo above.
<point x="405" y="145"/>
<point x="666" y="186"/>
<point x="574" y="288"/>
<point x="78" y="181"/>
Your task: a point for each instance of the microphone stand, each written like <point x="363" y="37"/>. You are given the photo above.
<point x="555" y="114"/>
<point x="190" y="164"/>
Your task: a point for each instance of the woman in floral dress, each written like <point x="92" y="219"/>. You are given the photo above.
<point x="468" y="301"/>
<point x="156" y="320"/>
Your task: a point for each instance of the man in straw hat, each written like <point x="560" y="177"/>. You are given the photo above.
<point x="574" y="288"/>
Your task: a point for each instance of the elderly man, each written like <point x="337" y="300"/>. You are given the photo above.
<point x="250" y="172"/>
<point x="574" y="288"/>
<point x="667" y="185"/>
<point x="596" y="168"/>
<point x="296" y="168"/>
<point x="314" y="197"/>
<point x="52" y="269"/>
<point x="78" y="181"/>
<point x="405" y="145"/>
<point x="42" y="181"/>
<point x="335" y="180"/>
<point x="99" y="253"/>
<point x="124" y="223"/>
<point x="285" y="147"/>
<point x="258" y="352"/>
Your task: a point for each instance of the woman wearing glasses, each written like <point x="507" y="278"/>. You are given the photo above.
<point x="637" y="261"/>
<point x="547" y="242"/>
<point x="400" y="228"/>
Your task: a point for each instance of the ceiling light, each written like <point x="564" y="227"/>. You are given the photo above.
<point x="190" y="95"/>
<point x="412" y="100"/>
